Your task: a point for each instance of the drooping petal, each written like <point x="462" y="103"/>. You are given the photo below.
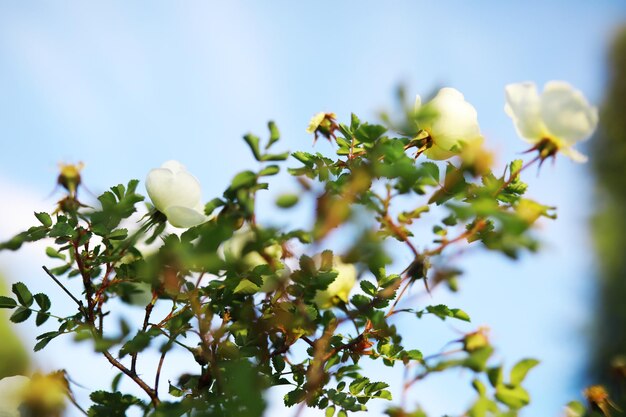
<point x="566" y="113"/>
<point x="573" y="154"/>
<point x="167" y="188"/>
<point x="523" y="105"/>
<point x="184" y="217"/>
<point x="437" y="153"/>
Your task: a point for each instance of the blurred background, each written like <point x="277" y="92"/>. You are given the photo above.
<point x="125" y="86"/>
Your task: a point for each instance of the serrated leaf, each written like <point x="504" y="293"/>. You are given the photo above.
<point x="20" y="315"/>
<point x="44" y="219"/>
<point x="357" y="385"/>
<point x="368" y="288"/>
<point x="42" y="301"/>
<point x="24" y="297"/>
<point x="41" y="318"/>
<point x="7" y="302"/>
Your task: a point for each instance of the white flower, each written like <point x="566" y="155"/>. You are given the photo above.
<point x="11" y="394"/>
<point x="339" y="289"/>
<point x="454" y="125"/>
<point x="176" y="193"/>
<point x="559" y="117"/>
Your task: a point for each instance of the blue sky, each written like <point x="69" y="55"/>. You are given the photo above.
<point x="124" y="86"/>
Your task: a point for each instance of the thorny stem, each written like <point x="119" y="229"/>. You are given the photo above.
<point x="89" y="317"/>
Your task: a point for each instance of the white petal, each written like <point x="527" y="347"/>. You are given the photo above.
<point x="338" y="289"/>
<point x="10" y="394"/>
<point x="315" y="122"/>
<point x="456" y="123"/>
<point x="184" y="217"/>
<point x="573" y="154"/>
<point x="523" y="105"/>
<point x="566" y="113"/>
<point x="438" y="154"/>
<point x="167" y="188"/>
<point x="174" y="166"/>
<point x="418" y="102"/>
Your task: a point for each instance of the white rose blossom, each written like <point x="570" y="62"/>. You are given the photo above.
<point x="339" y="289"/>
<point x="11" y="394"/>
<point x="553" y="121"/>
<point x="454" y="125"/>
<point x="176" y="193"/>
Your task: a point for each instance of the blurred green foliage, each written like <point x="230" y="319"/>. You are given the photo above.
<point x="14" y="359"/>
<point x="608" y="364"/>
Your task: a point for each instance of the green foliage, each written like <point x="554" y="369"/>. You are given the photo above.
<point x="608" y="149"/>
<point x="243" y="300"/>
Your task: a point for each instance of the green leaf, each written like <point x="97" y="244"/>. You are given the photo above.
<point x="432" y="170"/>
<point x="515" y="397"/>
<point x="287" y="200"/>
<point x="495" y="376"/>
<point x="274" y="133"/>
<point x="330" y="411"/>
<point x="20" y="315"/>
<point x="138" y="343"/>
<point x="354" y="122"/>
<point x="414" y="354"/>
<point x="243" y="179"/>
<point x="279" y="363"/>
<point x="246" y="286"/>
<point x="42" y="301"/>
<point x="575" y="409"/>
<point x="275" y="157"/>
<point x="269" y="170"/>
<point x="118" y="234"/>
<point x="357" y="385"/>
<point x="304" y="157"/>
<point x="115" y="383"/>
<point x="521" y="368"/>
<point x="41" y="318"/>
<point x="253" y="143"/>
<point x="212" y="205"/>
<point x="368" y="288"/>
<point x="41" y="344"/>
<point x="111" y="404"/>
<point x="367" y="133"/>
<point x="53" y="253"/>
<point x="7" y="302"/>
<point x="24" y="297"/>
<point x="44" y="218"/>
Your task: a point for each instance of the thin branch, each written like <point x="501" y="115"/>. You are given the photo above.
<point x="79" y="303"/>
